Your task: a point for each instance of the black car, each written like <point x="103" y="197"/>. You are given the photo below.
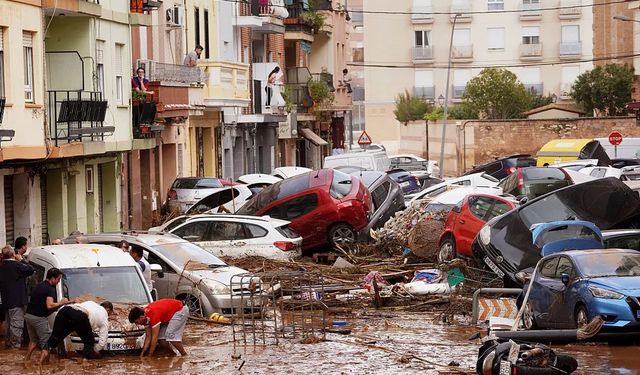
<point x="503" y="166"/>
<point x="621" y="239"/>
<point x="505" y="245"/>
<point x="621" y="163"/>
<point x="386" y="195"/>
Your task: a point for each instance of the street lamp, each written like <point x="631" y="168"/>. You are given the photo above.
<point x="624" y="18"/>
<point x="440" y="100"/>
<point x="446" y="96"/>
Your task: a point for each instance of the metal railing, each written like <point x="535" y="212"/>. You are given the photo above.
<point x="426" y="92"/>
<point x="295" y="10"/>
<point x="74" y="115"/>
<point x="326" y="78"/>
<point x="531" y="50"/>
<point x="423" y="53"/>
<point x="534" y="88"/>
<point x="156" y="71"/>
<point x="570" y="48"/>
<point x="570" y="8"/>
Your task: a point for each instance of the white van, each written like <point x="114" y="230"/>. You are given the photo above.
<point x="368" y="160"/>
<point x="96" y="271"/>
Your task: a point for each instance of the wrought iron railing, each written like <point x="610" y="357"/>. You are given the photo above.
<point x="75" y="115"/>
<point x="156" y="71"/>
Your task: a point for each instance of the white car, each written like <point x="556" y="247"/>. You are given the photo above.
<point x="603" y="172"/>
<point x="185" y="191"/>
<point x="476" y="179"/>
<point x="258" y="181"/>
<point x="240" y="236"/>
<point x="286" y="172"/>
<point x="172" y="223"/>
<point x="225" y="200"/>
<point x="413" y="164"/>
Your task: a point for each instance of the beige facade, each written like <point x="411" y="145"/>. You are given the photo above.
<point x="543" y="47"/>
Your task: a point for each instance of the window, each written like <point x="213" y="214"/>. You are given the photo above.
<point x="530" y="76"/>
<point x="226" y="231"/>
<point x="119" y="74"/>
<point x="549" y="268"/>
<point x="35" y="278"/>
<point x="480" y="206"/>
<point x="155" y="259"/>
<point x="206" y="34"/>
<point x="531" y="35"/>
<point x="255" y="231"/>
<point x="495" y="38"/>
<point x="499" y="208"/>
<point x="570" y="74"/>
<point x="380" y="194"/>
<point x="340" y="185"/>
<point x="598" y="172"/>
<point x="193" y="232"/>
<point x="531" y="2"/>
<point x="571" y="34"/>
<point x="100" y="66"/>
<point x="2" y="95"/>
<point x="27" y="48"/>
<point x="564" y="266"/>
<point x="196" y="24"/>
<point x="423" y="78"/>
<point x="462" y="37"/>
<point x="294" y="208"/>
<point x="495" y="4"/>
<point x="460" y="79"/>
<point x="423" y="38"/>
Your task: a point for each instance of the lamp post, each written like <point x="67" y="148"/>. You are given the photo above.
<point x="446" y="96"/>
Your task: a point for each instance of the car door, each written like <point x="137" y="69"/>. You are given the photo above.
<point x="192" y="231"/>
<point x="165" y="283"/>
<point x="228" y="238"/>
<point x="561" y="310"/>
<point x="306" y="219"/>
<point x="470" y="221"/>
<point x="543" y="292"/>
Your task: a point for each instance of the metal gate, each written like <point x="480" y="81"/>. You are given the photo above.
<point x="43" y="208"/>
<point x="8" y="208"/>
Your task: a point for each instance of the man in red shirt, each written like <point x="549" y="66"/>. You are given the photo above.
<point x="164" y="322"/>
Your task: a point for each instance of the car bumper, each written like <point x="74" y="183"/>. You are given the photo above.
<point x="116" y="342"/>
<point x="489" y="256"/>
<point x="236" y="305"/>
<point x="617" y="313"/>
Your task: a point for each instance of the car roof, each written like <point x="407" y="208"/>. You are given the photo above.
<point x="572" y="253"/>
<point x="369" y="178"/>
<point x="82" y="255"/>
<point x="290" y="171"/>
<point x="147" y="238"/>
<point x="258" y="178"/>
<point x="264" y="219"/>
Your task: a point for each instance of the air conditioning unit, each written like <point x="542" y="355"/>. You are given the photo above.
<point x="175" y="16"/>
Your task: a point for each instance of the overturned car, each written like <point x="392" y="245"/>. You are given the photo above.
<point x="505" y="243"/>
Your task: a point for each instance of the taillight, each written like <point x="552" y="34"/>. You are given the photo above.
<point x="285" y="245"/>
<point x="511" y="170"/>
<point x="172" y="194"/>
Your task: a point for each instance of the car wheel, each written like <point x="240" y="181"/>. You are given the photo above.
<point x="341" y="233"/>
<point x="581" y="317"/>
<point x="528" y="318"/>
<point x="447" y="250"/>
<point x="195" y="307"/>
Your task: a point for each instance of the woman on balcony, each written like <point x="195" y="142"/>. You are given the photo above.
<point x="271" y="82"/>
<point x="139" y="84"/>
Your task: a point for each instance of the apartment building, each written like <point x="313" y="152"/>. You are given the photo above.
<point x="547" y="44"/>
<point x="356" y="69"/>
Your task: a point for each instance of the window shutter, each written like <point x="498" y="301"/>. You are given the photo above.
<point x="27" y="39"/>
<point x="118" y="57"/>
<point x="1" y="41"/>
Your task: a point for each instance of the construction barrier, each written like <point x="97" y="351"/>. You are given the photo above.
<point x="484" y="308"/>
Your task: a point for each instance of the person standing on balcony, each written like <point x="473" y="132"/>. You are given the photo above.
<point x="139" y="83"/>
<point x="192" y="57"/>
<point x="346" y="80"/>
<point x="271" y="81"/>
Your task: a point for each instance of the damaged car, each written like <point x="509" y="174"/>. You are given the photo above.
<point x="505" y="243"/>
<point x="386" y="195"/>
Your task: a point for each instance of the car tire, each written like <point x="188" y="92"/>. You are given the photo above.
<point x="581" y="317"/>
<point x="447" y="250"/>
<point x="193" y="302"/>
<point x="341" y="233"/>
<point x="528" y="317"/>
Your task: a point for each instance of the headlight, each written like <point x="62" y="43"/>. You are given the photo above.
<point x="605" y="293"/>
<point x="485" y="235"/>
<point x="216" y="287"/>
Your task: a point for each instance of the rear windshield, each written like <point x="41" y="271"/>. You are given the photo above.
<point x="287" y="232"/>
<point x="543" y="174"/>
<point x="341" y="185"/>
<point x="195" y="183"/>
<point x="567" y="232"/>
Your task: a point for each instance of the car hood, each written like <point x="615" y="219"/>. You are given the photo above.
<point x="629" y="285"/>
<point x="222" y="274"/>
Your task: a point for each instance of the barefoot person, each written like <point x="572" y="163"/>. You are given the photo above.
<point x="84" y="319"/>
<point x="164" y="322"/>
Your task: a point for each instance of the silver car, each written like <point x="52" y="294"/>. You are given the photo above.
<point x="387" y="198"/>
<point x="185" y="191"/>
<point x="191" y="274"/>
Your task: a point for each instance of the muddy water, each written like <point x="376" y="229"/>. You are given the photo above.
<point x="380" y="343"/>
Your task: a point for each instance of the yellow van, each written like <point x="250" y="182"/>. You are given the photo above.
<point x="563" y="150"/>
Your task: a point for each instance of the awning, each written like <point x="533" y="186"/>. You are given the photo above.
<point x="313" y="137"/>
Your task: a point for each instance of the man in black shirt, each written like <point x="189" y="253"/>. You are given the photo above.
<point x="42" y="303"/>
<point x="13" y="289"/>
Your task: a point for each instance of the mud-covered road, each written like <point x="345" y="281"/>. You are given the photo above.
<point x="380" y="343"/>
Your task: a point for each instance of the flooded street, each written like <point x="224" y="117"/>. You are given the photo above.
<point x="379" y="343"/>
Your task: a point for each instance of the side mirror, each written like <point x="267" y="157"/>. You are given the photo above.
<point x="565" y="278"/>
<point x="522" y="199"/>
<point x="457" y="209"/>
<point x="157" y="269"/>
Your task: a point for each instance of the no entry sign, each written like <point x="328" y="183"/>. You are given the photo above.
<point x="615" y="138"/>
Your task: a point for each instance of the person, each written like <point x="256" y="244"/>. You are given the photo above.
<point x="84" y="319"/>
<point x="137" y="255"/>
<point x="346" y="80"/>
<point x="192" y="57"/>
<point x="271" y="81"/>
<point x="57" y="241"/>
<point x="139" y="83"/>
<point x="124" y="245"/>
<point x="13" y="291"/>
<point x="21" y="246"/>
<point x="164" y="322"/>
<point x="42" y="303"/>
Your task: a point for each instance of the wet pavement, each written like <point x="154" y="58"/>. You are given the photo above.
<point x="379" y="343"/>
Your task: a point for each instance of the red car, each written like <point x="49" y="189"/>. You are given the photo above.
<point x="324" y="206"/>
<point x="465" y="221"/>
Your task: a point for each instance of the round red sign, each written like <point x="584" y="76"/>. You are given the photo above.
<point x="615" y="138"/>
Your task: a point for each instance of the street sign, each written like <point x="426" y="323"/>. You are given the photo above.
<point x="364" y="139"/>
<point x="615" y="138"/>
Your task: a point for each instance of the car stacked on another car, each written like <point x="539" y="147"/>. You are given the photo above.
<point x="501" y="167"/>
<point x="386" y="195"/>
<point x="325" y="206"/>
<point x="532" y="182"/>
<point x="185" y="191"/>
<point x="415" y="165"/>
<point x="226" y="200"/>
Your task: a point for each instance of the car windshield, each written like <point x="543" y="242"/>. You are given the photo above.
<point x="196" y="183"/>
<point x="609" y="264"/>
<point x="182" y="252"/>
<point x="115" y="284"/>
<point x="341" y="185"/>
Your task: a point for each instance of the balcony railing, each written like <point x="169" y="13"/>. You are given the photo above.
<point x="422" y="14"/>
<point x="143" y="116"/>
<point x="462" y="52"/>
<point x="534" y="88"/>
<point x="425" y="92"/>
<point x="531" y="50"/>
<point x="570" y="9"/>
<point x="143" y="6"/>
<point x="76" y="115"/>
<point x="274" y="8"/>
<point x="422" y="53"/>
<point x="295" y="22"/>
<point x="298" y="89"/>
<point x="225" y="82"/>
<point x="458" y="91"/>
<point x="173" y="73"/>
<point x="530" y="11"/>
<point x="570" y="49"/>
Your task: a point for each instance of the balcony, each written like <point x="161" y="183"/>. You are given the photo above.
<point x="530" y="52"/>
<point x="140" y="11"/>
<point x="570" y="50"/>
<point x="463" y="7"/>
<point x="462" y="53"/>
<point x="226" y="84"/>
<point x="5" y="134"/>
<point x="90" y="8"/>
<point x="298" y="89"/>
<point x="425" y="92"/>
<point x="296" y="27"/>
<point x="422" y="54"/>
<point x="77" y="115"/>
<point x="570" y="9"/>
<point x="534" y="88"/>
<point x="530" y="12"/>
<point x="143" y="119"/>
<point x="565" y="90"/>
<point x="458" y="91"/>
<point x="264" y="19"/>
<point x="422" y="14"/>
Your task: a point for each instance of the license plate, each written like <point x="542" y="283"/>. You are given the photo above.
<point x="493" y="267"/>
<point x="119" y="346"/>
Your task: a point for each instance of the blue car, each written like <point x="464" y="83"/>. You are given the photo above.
<point x="572" y="287"/>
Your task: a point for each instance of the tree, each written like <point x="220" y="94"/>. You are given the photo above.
<point x="410" y="108"/>
<point x="604" y="89"/>
<point x="497" y="94"/>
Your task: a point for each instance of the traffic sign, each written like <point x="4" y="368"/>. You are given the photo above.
<point x="615" y="138"/>
<point x="364" y="139"/>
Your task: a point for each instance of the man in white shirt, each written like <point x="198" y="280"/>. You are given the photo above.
<point x="137" y="255"/>
<point x="84" y="318"/>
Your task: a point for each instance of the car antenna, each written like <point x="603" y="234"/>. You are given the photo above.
<point x="96" y="250"/>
